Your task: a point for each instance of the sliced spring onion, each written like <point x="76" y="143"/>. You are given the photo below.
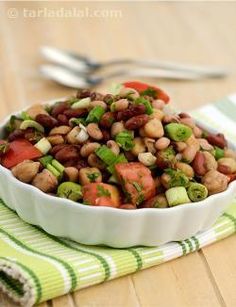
<point x="29" y="123"/>
<point x="146" y="103"/>
<point x="106" y="155"/>
<point x="82" y="103"/>
<point x="119" y="159"/>
<point x="76" y="121"/>
<point x="46" y="160"/>
<point x="113" y="179"/>
<point x="43" y="145"/>
<point x="177" y="196"/>
<point x="70" y="190"/>
<point x="24" y="115"/>
<point x="178" y="132"/>
<point x="125" y="140"/>
<point x="53" y="170"/>
<point x="115" y="88"/>
<point x="95" y="115"/>
<point x="218" y="153"/>
<point x="197" y="191"/>
<point x="57" y="165"/>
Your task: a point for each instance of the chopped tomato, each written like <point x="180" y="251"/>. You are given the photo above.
<point x="136" y="180"/>
<point x="142" y="87"/>
<point x="101" y="194"/>
<point x="20" y="150"/>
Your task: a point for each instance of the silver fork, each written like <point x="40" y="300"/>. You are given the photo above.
<point x="86" y="65"/>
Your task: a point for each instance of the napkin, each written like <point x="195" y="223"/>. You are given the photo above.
<point x="36" y="266"/>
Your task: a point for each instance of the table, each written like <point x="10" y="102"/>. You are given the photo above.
<point x="197" y="32"/>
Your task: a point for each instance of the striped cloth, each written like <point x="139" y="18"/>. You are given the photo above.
<point x="35" y="266"/>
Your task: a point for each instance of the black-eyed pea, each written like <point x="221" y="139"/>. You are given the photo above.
<point x="71" y="137"/>
<point x="114" y="147"/>
<point x="153" y="128"/>
<point x="56" y="139"/>
<point x="98" y="103"/>
<point x="71" y="173"/>
<point x="215" y="182"/>
<point x="147" y="158"/>
<point x="162" y="143"/>
<point x="228" y="163"/>
<point x="210" y="161"/>
<point x="188" y="121"/>
<point x="185" y="168"/>
<point x="205" y="145"/>
<point x="197" y="132"/>
<point x="35" y="110"/>
<point x="150" y="144"/>
<point x="94" y="161"/>
<point x="139" y="146"/>
<point x="88" y="148"/>
<point x="192" y="141"/>
<point x="116" y="128"/>
<point x="189" y="153"/>
<point x="158" y="104"/>
<point x="119" y="105"/>
<point x="229" y="153"/>
<point x="129" y="92"/>
<point x="94" y="131"/>
<point x="180" y="146"/>
<point x="158" y="114"/>
<point x="89" y="174"/>
<point x="60" y="130"/>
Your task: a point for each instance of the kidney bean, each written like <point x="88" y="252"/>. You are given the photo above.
<point x="59" y="108"/>
<point x="128" y="206"/>
<point x="107" y="119"/>
<point x="69" y="113"/>
<point x="106" y="135"/>
<point x="46" y="121"/>
<point x="83" y="93"/>
<point x="81" y="164"/>
<point x="224" y="169"/>
<point x="109" y="98"/>
<point x="17" y="134"/>
<point x="136" y="122"/>
<point x="184" y="115"/>
<point x="133" y="110"/>
<point x="56" y="148"/>
<point x="217" y="140"/>
<point x="69" y="152"/>
<point x="62" y="119"/>
<point x="198" y="164"/>
<point x="71" y="162"/>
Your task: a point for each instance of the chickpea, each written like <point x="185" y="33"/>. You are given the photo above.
<point x="150" y="145"/>
<point x="35" y="110"/>
<point x="60" y="130"/>
<point x="116" y="128"/>
<point x="158" y="114"/>
<point x="157" y="181"/>
<point x="188" y="121"/>
<point x="26" y="170"/>
<point x="185" y="168"/>
<point x="180" y="146"/>
<point x="94" y="131"/>
<point x="192" y="141"/>
<point x="45" y="181"/>
<point x="153" y="128"/>
<point x="161" y="201"/>
<point x="162" y="143"/>
<point x="120" y="105"/>
<point x="189" y="153"/>
<point x="229" y="163"/>
<point x="96" y="103"/>
<point x="56" y="139"/>
<point x="94" y="161"/>
<point x="126" y="91"/>
<point x="165" y="180"/>
<point x="158" y="104"/>
<point x="71" y="137"/>
<point x="210" y="161"/>
<point x="114" y="147"/>
<point x="88" y="148"/>
<point x="229" y="153"/>
<point x="197" y="132"/>
<point x="139" y="146"/>
<point x="71" y="173"/>
<point x="147" y="159"/>
<point x="205" y="145"/>
<point x="89" y="174"/>
<point x="215" y="182"/>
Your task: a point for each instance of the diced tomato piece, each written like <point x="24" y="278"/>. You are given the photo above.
<point x="141" y="87"/>
<point x="20" y="150"/>
<point x="136" y="180"/>
<point x="101" y="194"/>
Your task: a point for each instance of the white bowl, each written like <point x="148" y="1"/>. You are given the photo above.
<point x="110" y="226"/>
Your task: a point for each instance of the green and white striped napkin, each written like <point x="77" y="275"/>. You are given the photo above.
<point x="35" y="266"/>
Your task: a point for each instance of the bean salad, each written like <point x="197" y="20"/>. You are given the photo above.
<point x="124" y="150"/>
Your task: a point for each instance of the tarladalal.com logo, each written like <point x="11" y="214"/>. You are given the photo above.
<point x="63" y="12"/>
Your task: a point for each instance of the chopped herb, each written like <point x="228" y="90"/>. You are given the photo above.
<point x="102" y="191"/>
<point x="140" y="199"/>
<point x="76" y="121"/>
<point x="11" y="124"/>
<point x="25" y="116"/>
<point x="137" y="186"/>
<point x="4" y="148"/>
<point x="93" y="176"/>
<point x="178" y="178"/>
<point x="149" y="92"/>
